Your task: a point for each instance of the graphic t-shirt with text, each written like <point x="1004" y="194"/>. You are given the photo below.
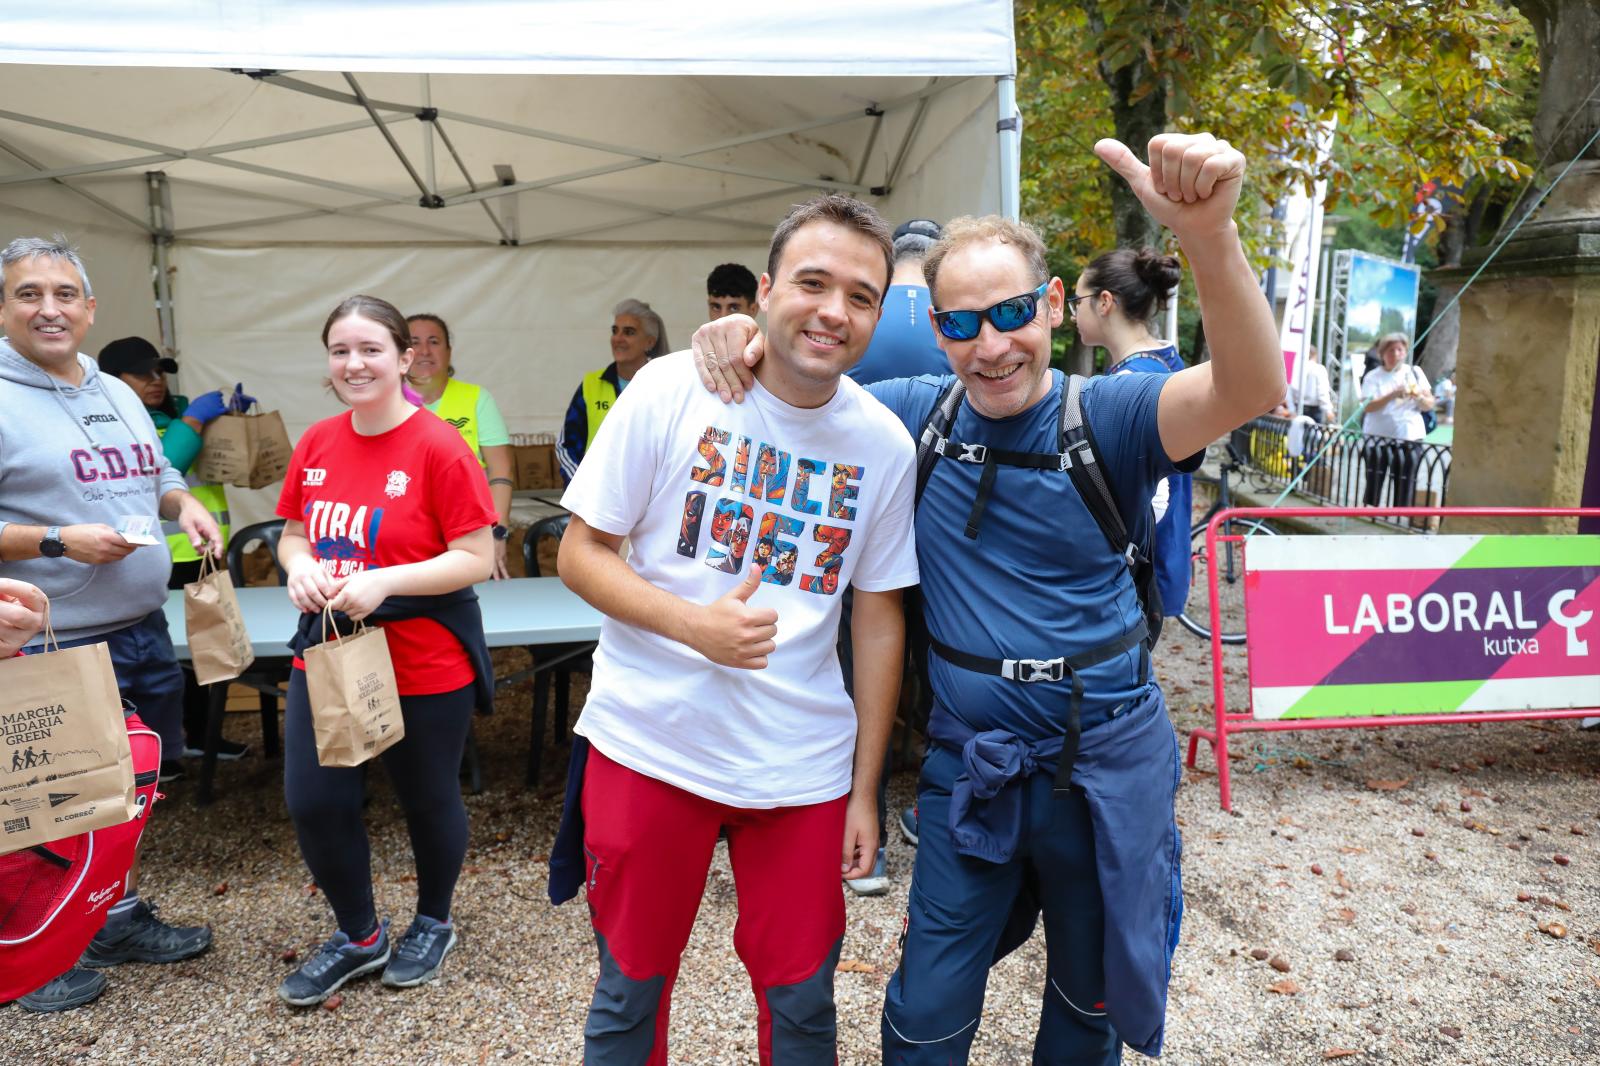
<point x="397" y="497"/>
<point x="819" y="499"/>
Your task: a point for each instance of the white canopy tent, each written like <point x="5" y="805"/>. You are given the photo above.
<point x="516" y="166"/>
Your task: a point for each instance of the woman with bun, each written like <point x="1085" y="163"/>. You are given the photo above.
<point x="1114" y="301"/>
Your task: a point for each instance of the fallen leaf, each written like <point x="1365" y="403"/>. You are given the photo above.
<point x="1378" y="785"/>
<point x="1259" y="954"/>
<point x="1349" y="850"/>
<point x="1344" y="955"/>
<point x="855" y="966"/>
<point x="310" y="889"/>
<point x="1548" y="902"/>
<point x="1417" y="832"/>
<point x="1285" y="987"/>
<point x="289" y="955"/>
<point x="1339" y="1053"/>
<point x="220" y="890"/>
<point x="1560" y="860"/>
<point x="1451" y="1031"/>
<point x="1344" y="882"/>
<point x="1279" y="963"/>
<point x="1316" y="868"/>
<point x="1553" y="929"/>
<point x="1346" y="914"/>
<point x="333" y="1002"/>
<point x="1524" y="897"/>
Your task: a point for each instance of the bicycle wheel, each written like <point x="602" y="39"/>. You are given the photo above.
<point x="1196" y="616"/>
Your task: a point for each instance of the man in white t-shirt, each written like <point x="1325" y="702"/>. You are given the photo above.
<point x="1395" y="393"/>
<point x="717" y="702"/>
<point x="1319" y="393"/>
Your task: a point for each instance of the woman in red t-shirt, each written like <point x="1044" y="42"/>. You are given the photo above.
<point x="384" y="501"/>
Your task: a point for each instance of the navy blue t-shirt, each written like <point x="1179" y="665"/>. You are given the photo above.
<point x="903" y="344"/>
<point x="1040" y="580"/>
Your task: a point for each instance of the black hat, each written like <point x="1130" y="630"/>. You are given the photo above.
<point x="922" y="227"/>
<point x="134" y="355"/>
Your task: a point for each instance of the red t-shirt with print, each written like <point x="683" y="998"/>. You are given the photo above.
<point x="398" y="497"/>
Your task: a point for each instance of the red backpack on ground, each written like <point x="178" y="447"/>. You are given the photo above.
<point x="54" y="898"/>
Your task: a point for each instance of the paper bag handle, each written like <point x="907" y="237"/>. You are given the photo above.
<point x="328" y="623"/>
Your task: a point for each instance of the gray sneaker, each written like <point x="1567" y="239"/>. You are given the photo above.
<point x="334" y="963"/>
<point x="421" y="953"/>
<point x="874" y="884"/>
<point x="142" y="937"/>
<point x="72" y="989"/>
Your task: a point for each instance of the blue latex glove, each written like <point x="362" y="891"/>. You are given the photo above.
<point x="206" y="407"/>
<point x="240" y="402"/>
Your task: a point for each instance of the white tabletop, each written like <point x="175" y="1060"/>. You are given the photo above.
<point x="516" y="613"/>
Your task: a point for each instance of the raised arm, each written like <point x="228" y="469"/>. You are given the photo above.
<point x="1192" y="187"/>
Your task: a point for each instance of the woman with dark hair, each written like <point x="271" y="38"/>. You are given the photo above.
<point x="180" y="422"/>
<point x="1114" y="301"/>
<point x="387" y="518"/>
<point x="472" y="411"/>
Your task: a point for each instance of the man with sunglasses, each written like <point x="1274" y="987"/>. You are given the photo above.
<point x="1050" y="782"/>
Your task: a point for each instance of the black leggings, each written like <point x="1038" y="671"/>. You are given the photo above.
<point x="325" y="804"/>
<point x="1397" y="459"/>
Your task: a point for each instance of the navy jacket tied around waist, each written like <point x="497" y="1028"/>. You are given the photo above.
<point x="1128" y="769"/>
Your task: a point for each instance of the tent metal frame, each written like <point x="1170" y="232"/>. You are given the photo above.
<point x="381" y="114"/>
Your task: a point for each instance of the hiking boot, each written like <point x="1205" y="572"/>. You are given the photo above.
<point x="334" y="963"/>
<point x="227" y="751"/>
<point x="72" y="989"/>
<point x="171" y="770"/>
<point x="142" y="937"/>
<point x="908" y="825"/>
<point x="421" y="953"/>
<point x="874" y="884"/>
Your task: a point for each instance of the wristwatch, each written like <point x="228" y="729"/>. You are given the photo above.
<point x="501" y="532"/>
<point x="51" y="546"/>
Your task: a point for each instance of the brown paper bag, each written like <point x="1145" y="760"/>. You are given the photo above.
<point x="65" y="765"/>
<point x="219" y="645"/>
<point x="355" y="703"/>
<point x="250" y="450"/>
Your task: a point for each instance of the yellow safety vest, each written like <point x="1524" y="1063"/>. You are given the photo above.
<point x="598" y="397"/>
<point x="215" y="500"/>
<point x="458" y="405"/>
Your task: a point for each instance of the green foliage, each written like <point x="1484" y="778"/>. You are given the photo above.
<point x="1441" y="90"/>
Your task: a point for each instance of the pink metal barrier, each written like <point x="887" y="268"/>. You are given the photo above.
<point x="1230" y="723"/>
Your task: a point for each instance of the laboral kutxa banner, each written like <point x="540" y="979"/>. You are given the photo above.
<point x="1354" y="626"/>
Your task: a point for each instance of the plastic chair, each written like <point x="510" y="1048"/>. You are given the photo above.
<point x="566" y="658"/>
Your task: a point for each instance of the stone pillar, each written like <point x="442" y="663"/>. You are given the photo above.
<point x="1525" y="378"/>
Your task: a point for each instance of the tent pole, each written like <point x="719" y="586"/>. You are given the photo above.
<point x="1009" y="131"/>
<point x="161" y="237"/>
<point x="427" y="136"/>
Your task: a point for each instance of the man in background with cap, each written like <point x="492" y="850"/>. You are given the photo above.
<point x="180" y="422"/>
<point x="83" y="484"/>
<point x="903" y="345"/>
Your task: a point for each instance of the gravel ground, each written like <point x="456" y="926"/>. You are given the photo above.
<point x="1395" y="885"/>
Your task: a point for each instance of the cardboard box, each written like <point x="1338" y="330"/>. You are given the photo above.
<point x="536" y="466"/>
<point x="1426" y="498"/>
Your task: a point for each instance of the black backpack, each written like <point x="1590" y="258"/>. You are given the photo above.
<point x="1078" y="457"/>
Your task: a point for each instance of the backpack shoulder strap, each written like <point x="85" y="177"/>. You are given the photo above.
<point x="935" y="431"/>
<point x="1083" y="463"/>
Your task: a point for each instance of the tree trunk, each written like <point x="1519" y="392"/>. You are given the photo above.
<point x="1569" y="66"/>
<point x="1461" y="232"/>
<point x="1080" y="357"/>
<point x="1135" y="121"/>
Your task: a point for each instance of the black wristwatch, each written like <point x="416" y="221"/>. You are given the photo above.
<point x="51" y="546"/>
<point x="501" y="532"/>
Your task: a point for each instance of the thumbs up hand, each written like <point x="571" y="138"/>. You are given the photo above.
<point x="730" y="632"/>
<point x="1191" y="185"/>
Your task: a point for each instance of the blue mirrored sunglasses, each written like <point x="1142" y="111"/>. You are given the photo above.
<point x="1005" y="316"/>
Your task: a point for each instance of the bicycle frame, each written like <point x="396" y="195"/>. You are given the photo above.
<point x="1226" y="724"/>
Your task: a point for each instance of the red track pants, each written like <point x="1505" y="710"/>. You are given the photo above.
<point x="648" y="848"/>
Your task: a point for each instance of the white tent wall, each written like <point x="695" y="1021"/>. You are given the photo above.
<point x="118" y="259"/>
<point x="527" y="323"/>
<point x="954" y="166"/>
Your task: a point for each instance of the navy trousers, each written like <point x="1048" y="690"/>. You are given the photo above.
<point x="959" y="910"/>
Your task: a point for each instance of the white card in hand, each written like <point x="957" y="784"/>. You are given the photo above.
<point x="138" y="529"/>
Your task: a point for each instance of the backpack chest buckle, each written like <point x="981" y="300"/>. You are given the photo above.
<point x="1031" y="670"/>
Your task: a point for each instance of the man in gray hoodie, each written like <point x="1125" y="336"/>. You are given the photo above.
<point x="82" y="478"/>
